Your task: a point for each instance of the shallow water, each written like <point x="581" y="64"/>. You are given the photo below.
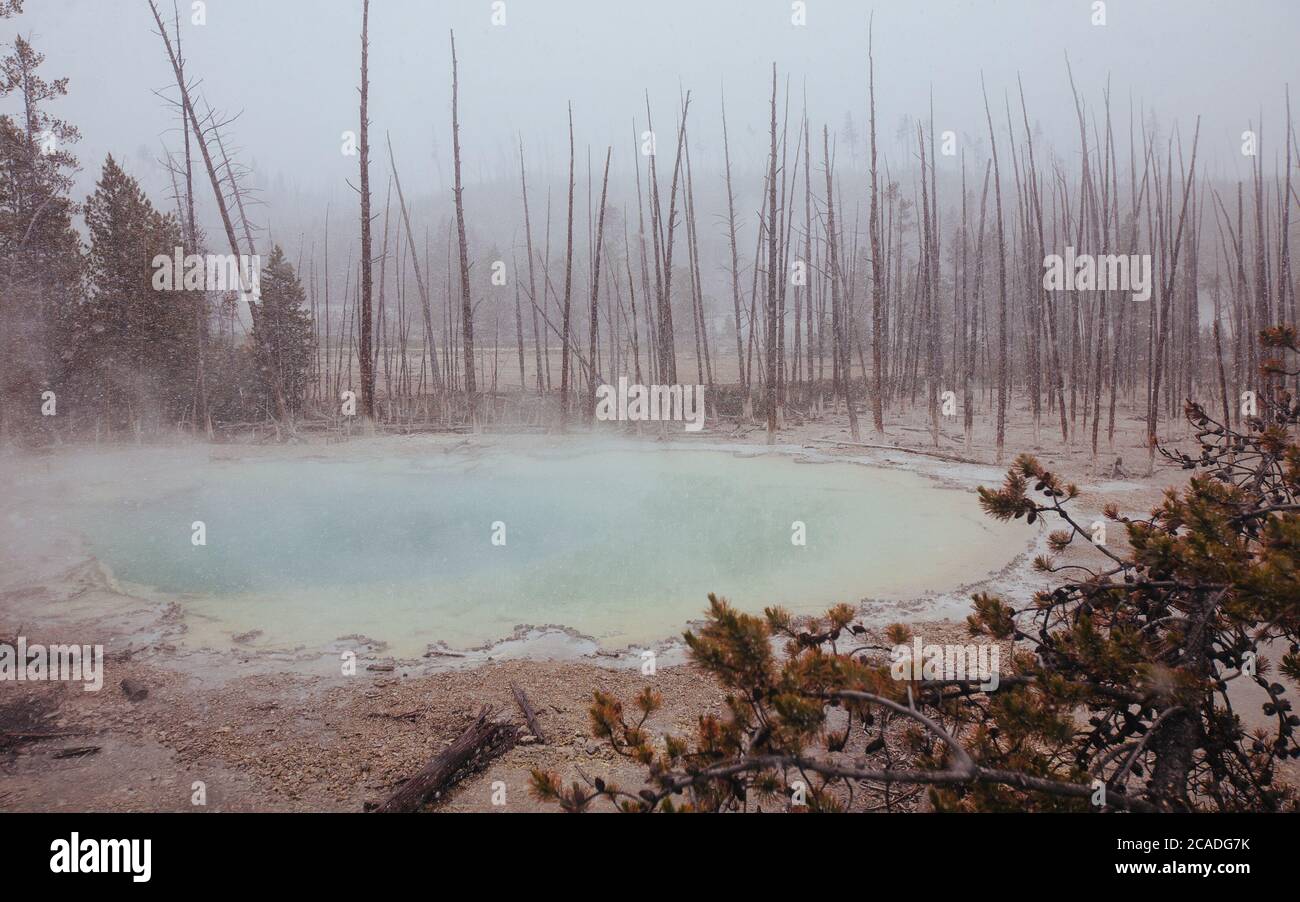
<point x="623" y="544"/>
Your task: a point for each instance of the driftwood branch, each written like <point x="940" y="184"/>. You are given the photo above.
<point x="484" y="740"/>
<point x="521" y="699"/>
<point x="78" y="752"/>
<point x="945" y="457"/>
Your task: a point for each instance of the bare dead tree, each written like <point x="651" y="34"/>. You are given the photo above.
<point x="367" y="360"/>
<point x="532" y="277"/>
<point x="429" y="341"/>
<point x="704" y="365"/>
<point x="277" y="387"/>
<point x="839" y="326"/>
<point x="568" y="291"/>
<point x="1002" y="286"/>
<point x="877" y="393"/>
<point x="667" y="336"/>
<point x="202" y="416"/>
<point x="1043" y="304"/>
<point x="773" y="264"/>
<point x="595" y="287"/>
<point x="467" y="307"/>
<point x="735" y="262"/>
<point x="1166" y="290"/>
<point x="978" y="303"/>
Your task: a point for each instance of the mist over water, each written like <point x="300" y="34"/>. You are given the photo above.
<point x="620" y="543"/>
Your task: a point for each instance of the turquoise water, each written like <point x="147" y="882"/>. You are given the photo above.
<point x="623" y="545"/>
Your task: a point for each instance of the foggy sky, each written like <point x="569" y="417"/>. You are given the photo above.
<point x="291" y="67"/>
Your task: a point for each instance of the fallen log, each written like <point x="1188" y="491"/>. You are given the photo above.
<point x="935" y="454"/>
<point x="484" y="740"/>
<point x="78" y="752"/>
<point x="521" y="699"/>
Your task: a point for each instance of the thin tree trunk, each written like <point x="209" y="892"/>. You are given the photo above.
<point x="1002" y="290"/>
<point x="877" y="395"/>
<point x="568" y="291"/>
<point x="467" y="307"/>
<point x="595" y="290"/>
<point x="429" y="342"/>
<point x="839" y="328"/>
<point x="367" y="361"/>
<point x="1166" y="290"/>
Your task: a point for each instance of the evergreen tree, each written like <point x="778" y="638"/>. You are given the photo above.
<point x="133" y="340"/>
<point x="40" y="252"/>
<point x="285" y="330"/>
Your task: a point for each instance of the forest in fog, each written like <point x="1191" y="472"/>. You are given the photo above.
<point x="881" y="270"/>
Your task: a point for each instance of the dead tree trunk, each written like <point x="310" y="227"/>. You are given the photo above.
<point x="877" y="399"/>
<point x="419" y="275"/>
<point x="367" y="360"/>
<point x="484" y="740"/>
<point x="773" y="264"/>
<point x="1166" y="290"/>
<point x="839" y="324"/>
<point x="595" y="289"/>
<point x="277" y="387"/>
<point x="202" y="418"/>
<point x="467" y="307"/>
<point x="568" y="292"/>
<point x="735" y="262"/>
<point x="526" y="708"/>
<point x="532" y="277"/>
<point x="929" y="294"/>
<point x="1002" y="290"/>
<point x="667" y="334"/>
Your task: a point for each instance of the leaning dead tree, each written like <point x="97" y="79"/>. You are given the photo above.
<point x="277" y="387"/>
<point x="532" y="275"/>
<point x="185" y="206"/>
<point x="667" y="339"/>
<point x="595" y="285"/>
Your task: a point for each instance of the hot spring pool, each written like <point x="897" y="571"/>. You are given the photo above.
<point x="621" y="543"/>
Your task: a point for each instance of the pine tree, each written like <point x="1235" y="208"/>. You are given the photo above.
<point x="40" y="252"/>
<point x="285" y="330"/>
<point x="133" y="341"/>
